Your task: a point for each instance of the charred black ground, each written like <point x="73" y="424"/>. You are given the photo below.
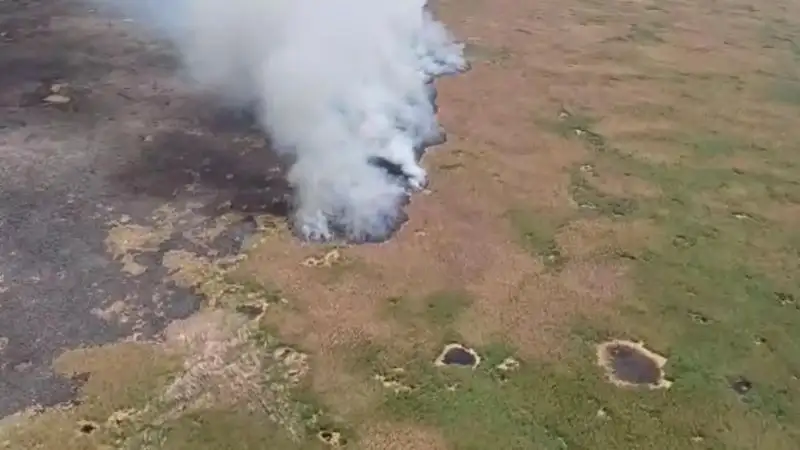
<point x="132" y="140"/>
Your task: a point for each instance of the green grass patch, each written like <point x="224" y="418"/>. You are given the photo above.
<point x="439" y="309"/>
<point x="220" y="430"/>
<point x="575" y="125"/>
<point x="551" y="406"/>
<point x="785" y="91"/>
<point x="444" y="307"/>
<point x="591" y="199"/>
<point x="712" y="145"/>
<point x="537" y="234"/>
<point x="479" y="52"/>
<point x="473" y="412"/>
<point x="707" y="298"/>
<point x="568" y="404"/>
<point x="717" y="295"/>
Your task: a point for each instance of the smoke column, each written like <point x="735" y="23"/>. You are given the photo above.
<point x="345" y="88"/>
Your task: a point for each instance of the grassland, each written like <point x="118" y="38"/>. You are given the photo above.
<point x="617" y="170"/>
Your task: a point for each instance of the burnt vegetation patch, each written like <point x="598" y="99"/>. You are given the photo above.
<point x="242" y="176"/>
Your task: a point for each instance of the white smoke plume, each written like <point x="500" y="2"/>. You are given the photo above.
<point x="343" y="87"/>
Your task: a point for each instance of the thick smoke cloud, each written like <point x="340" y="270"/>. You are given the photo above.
<point x="345" y="88"/>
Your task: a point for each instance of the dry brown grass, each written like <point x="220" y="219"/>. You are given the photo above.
<point x="390" y="436"/>
<point x="458" y="236"/>
<point x="583" y="238"/>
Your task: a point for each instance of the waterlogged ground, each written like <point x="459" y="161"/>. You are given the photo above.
<point x="606" y="260"/>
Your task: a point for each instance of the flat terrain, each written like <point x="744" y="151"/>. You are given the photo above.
<point x="610" y="236"/>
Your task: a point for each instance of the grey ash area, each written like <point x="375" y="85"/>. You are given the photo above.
<point x="123" y="136"/>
